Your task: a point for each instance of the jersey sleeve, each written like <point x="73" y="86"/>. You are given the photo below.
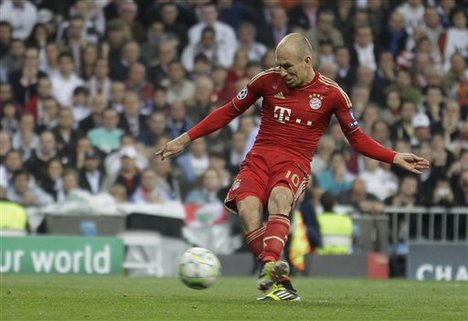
<point x="362" y="143"/>
<point x="221" y="116"/>
<point x="250" y="93"/>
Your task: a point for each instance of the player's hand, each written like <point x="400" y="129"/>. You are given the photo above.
<point x="411" y="162"/>
<point x="174" y="147"/>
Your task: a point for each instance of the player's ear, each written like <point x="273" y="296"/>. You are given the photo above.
<point x="308" y="60"/>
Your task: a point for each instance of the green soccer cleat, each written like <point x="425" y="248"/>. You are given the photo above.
<point x="271" y="273"/>
<point x="280" y="293"/>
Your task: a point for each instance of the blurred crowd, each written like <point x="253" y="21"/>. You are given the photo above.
<point x="89" y="90"/>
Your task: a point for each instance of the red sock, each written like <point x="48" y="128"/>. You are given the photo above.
<point x="254" y="240"/>
<point x="275" y="236"/>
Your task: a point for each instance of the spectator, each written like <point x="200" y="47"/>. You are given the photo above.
<point x="150" y="190"/>
<point x="422" y="130"/>
<point x="35" y="104"/>
<point x="432" y="26"/>
<point x="22" y="16"/>
<point x="70" y="182"/>
<point x="159" y="68"/>
<point x="179" y="87"/>
<point x="52" y="183"/>
<point x="276" y="29"/>
<point x="91" y="176"/>
<point x="195" y="162"/>
<point x="65" y="136"/>
<point x="128" y="13"/>
<point x="457" y="36"/>
<point x="129" y="55"/>
<point x="323" y="154"/>
<point x="442" y="194"/>
<point x="116" y="39"/>
<point x="117" y="95"/>
<point x="157" y="103"/>
<point x="43" y="153"/>
<point x="129" y="174"/>
<point x="107" y="137"/>
<point x="412" y="12"/>
<point x="304" y="15"/>
<point x="88" y="61"/>
<point x="404" y="86"/>
<point x="178" y="122"/>
<point x="131" y="121"/>
<point x="94" y="119"/>
<point x="13" y="61"/>
<point x="380" y="181"/>
<point x="100" y="83"/>
<point x="25" y="192"/>
<point x="49" y="118"/>
<point x="156" y="127"/>
<point x="65" y="82"/>
<point x="208" y="47"/>
<point x="24" y="81"/>
<point x="336" y="178"/>
<point x="237" y="151"/>
<point x="346" y="75"/>
<point x="171" y="20"/>
<point x="25" y="139"/>
<point x="455" y="79"/>
<point x="407" y="194"/>
<point x="394" y="38"/>
<point x="362" y="201"/>
<point x="364" y="52"/>
<point x="5" y="144"/>
<point x="169" y="178"/>
<point x="137" y="83"/>
<point x="403" y="128"/>
<point x="199" y="106"/>
<point x="225" y="35"/>
<point x="325" y="31"/>
<point x="83" y="146"/>
<point x="80" y="104"/>
<point x="391" y="112"/>
<point x="246" y="34"/>
<point x="50" y="63"/>
<point x="11" y="163"/>
<point x="9" y="117"/>
<point x="119" y="194"/>
<point x="75" y="41"/>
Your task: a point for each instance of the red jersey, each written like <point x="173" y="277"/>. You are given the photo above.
<point x="294" y="119"/>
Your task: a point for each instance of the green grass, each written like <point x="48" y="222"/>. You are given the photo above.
<point x="137" y="298"/>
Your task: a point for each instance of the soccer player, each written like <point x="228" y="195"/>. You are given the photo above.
<point x="297" y="105"/>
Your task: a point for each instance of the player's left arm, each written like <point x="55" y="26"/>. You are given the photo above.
<point x="367" y="146"/>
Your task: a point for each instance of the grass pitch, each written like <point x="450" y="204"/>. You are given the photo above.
<point x="143" y="298"/>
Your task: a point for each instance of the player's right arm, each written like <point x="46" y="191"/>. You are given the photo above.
<point x="217" y="119"/>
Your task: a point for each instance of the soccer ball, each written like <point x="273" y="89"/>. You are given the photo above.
<point x="199" y="268"/>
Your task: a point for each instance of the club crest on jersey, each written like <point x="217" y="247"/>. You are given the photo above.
<point x="315" y="101"/>
<point x="242" y="94"/>
<point x="235" y="185"/>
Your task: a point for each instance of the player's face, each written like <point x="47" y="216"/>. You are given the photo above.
<point x="293" y="69"/>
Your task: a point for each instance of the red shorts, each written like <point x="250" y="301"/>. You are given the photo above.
<point x="263" y="170"/>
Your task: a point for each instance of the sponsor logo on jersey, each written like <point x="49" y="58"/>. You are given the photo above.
<point x="279" y="95"/>
<point x="315" y="101"/>
<point x="242" y="94"/>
